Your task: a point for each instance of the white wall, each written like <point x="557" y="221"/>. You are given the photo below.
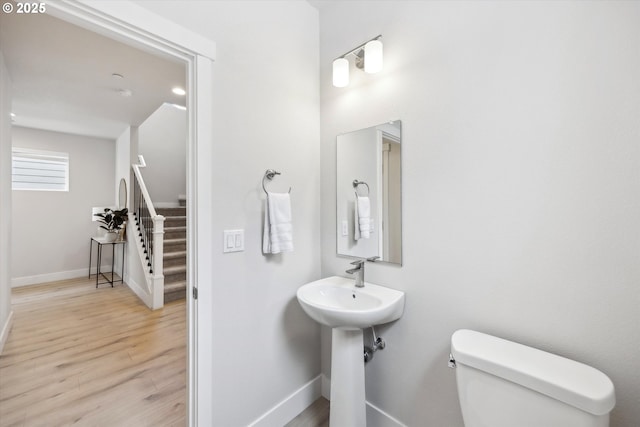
<point x="266" y="103"/>
<point x="521" y="185"/>
<point x="162" y="140"/>
<point x="52" y="229"/>
<point x="5" y="202"/>
<point x="123" y="163"/>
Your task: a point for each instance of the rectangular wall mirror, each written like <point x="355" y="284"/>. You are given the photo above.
<point x="369" y="189"/>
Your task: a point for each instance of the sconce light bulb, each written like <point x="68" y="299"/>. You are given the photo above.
<point x="373" y="56"/>
<point x="340" y="72"/>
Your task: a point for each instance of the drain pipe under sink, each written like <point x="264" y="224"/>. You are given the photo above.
<point x="378" y="344"/>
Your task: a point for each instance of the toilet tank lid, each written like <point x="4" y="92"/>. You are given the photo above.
<point x="571" y="382"/>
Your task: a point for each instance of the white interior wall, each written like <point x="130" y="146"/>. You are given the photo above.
<point x="266" y="115"/>
<point x="521" y="185"/>
<point x="51" y="230"/>
<point x="162" y="140"/>
<point x="5" y="202"/>
<point x="123" y="170"/>
<point x="123" y="162"/>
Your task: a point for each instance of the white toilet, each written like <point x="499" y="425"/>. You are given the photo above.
<point x="505" y="384"/>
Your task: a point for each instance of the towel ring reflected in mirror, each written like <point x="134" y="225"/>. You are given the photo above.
<point x="269" y="174"/>
<point x="357" y="183"/>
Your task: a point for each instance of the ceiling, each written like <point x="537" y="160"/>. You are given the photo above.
<point x="62" y="78"/>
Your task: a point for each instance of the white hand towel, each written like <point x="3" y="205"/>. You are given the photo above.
<point x="356" y="222"/>
<point x="364" y="213"/>
<point x="278" y="235"/>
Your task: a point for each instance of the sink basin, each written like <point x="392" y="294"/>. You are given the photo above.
<point x="337" y="303"/>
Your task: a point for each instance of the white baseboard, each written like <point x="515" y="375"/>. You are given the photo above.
<point x="376" y="417"/>
<point x="6" y="328"/>
<point x="17" y="282"/>
<point x="291" y="406"/>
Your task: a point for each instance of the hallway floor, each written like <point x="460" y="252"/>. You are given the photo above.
<point x="83" y="356"/>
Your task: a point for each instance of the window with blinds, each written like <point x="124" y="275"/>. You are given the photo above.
<point x="39" y="170"/>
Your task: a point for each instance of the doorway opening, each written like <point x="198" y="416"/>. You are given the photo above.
<point x="133" y="25"/>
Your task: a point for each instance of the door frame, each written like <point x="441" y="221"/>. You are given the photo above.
<point x="141" y="28"/>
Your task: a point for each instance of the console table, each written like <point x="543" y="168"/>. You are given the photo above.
<point x="101" y="241"/>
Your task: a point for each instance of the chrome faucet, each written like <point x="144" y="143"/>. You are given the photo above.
<point x="358" y="270"/>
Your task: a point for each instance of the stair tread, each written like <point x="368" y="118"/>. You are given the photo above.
<point x="178" y="240"/>
<point x="172" y="212"/>
<point x="176" y="286"/>
<point x="174" y="254"/>
<point x="176" y="228"/>
<point x="175" y="269"/>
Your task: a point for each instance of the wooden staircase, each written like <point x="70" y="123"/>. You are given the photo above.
<point x="175" y="253"/>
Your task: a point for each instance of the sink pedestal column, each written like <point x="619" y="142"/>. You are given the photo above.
<point x="347" y="379"/>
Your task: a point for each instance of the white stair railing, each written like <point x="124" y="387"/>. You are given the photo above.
<point x="149" y="238"/>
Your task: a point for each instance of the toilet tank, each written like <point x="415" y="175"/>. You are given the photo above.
<point x="506" y="384"/>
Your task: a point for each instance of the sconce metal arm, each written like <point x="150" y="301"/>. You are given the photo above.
<point x="360" y="46"/>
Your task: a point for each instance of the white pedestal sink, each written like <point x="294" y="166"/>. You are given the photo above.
<point x="337" y="303"/>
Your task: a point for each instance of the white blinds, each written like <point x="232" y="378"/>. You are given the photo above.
<point x="39" y="170"/>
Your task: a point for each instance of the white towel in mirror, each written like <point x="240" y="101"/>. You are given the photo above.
<point x="362" y="214"/>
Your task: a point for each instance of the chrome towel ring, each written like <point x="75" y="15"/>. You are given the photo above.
<point x="356" y="183"/>
<point x="269" y="174"/>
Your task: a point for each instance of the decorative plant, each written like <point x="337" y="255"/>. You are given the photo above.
<point x="113" y="220"/>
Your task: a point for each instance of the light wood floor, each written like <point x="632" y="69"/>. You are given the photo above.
<point x="83" y="356"/>
<point x="316" y="415"/>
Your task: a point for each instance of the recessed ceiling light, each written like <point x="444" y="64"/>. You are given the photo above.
<point x="117" y="76"/>
<point x="179" y="91"/>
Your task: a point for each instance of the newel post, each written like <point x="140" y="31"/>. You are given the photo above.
<point x="158" y="265"/>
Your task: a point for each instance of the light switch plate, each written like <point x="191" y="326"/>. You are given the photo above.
<point x="233" y="241"/>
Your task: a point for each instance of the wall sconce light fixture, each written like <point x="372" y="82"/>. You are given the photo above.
<point x="368" y="56"/>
